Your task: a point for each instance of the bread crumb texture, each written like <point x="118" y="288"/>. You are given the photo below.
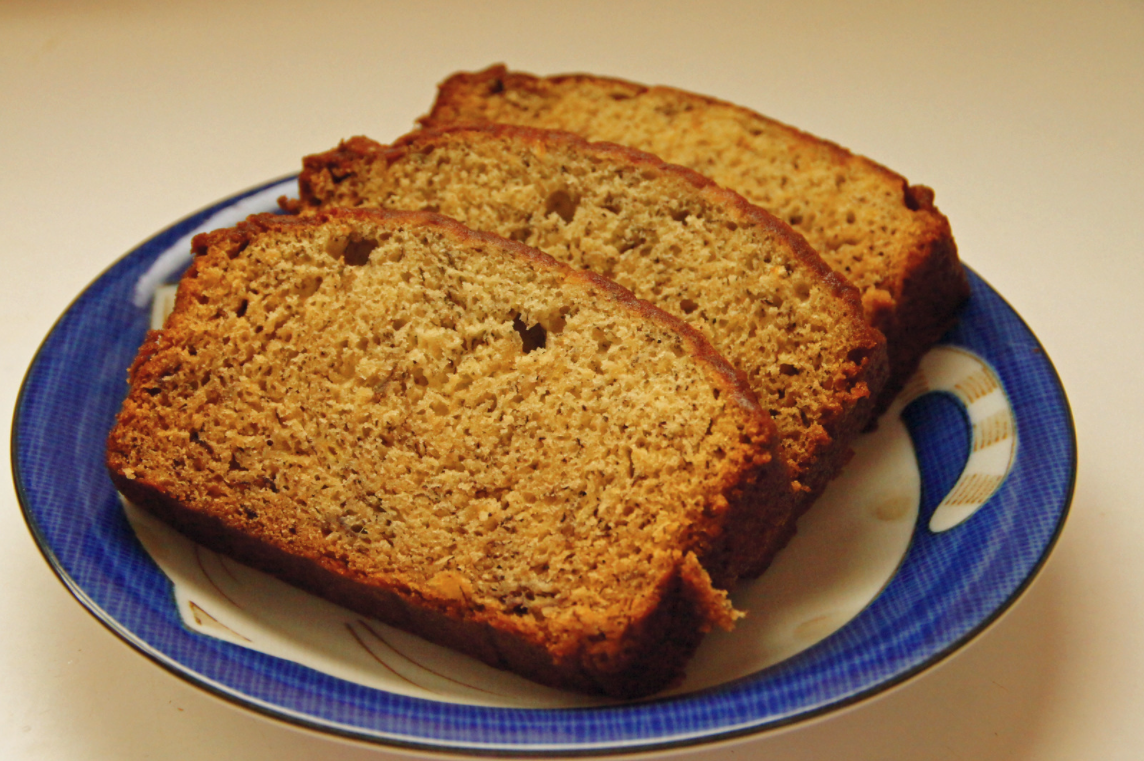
<point x="730" y="270"/>
<point x="884" y="235"/>
<point x="456" y="419"/>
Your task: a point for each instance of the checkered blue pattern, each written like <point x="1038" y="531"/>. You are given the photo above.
<point x="949" y="587"/>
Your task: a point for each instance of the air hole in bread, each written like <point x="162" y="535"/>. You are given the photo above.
<point x="358" y="250"/>
<point x="309" y="287"/>
<point x="555" y="324"/>
<point x="563" y="204"/>
<point x="604" y="341"/>
<point x="354" y="250"/>
<point x="632" y="245"/>
<point x="533" y="338"/>
<point x="688" y="306"/>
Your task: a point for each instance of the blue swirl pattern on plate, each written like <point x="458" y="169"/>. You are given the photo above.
<point x="949" y="588"/>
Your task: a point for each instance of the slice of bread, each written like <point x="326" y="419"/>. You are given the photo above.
<point x="744" y="279"/>
<point x="868" y="223"/>
<point x="455" y="434"/>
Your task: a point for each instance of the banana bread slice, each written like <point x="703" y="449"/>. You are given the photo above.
<point x="455" y="434"/>
<point x="741" y="277"/>
<point x="867" y="222"/>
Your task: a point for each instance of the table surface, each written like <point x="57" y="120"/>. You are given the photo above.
<point x="117" y="118"/>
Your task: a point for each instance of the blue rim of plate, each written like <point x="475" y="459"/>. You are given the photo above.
<point x="949" y="588"/>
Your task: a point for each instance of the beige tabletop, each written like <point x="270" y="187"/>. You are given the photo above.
<point x="120" y="117"/>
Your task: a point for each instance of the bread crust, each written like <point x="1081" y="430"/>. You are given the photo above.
<point x="630" y="659"/>
<point x="918" y="295"/>
<point x="648" y="658"/>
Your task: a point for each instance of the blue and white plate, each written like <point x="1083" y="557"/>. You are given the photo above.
<point x="939" y="524"/>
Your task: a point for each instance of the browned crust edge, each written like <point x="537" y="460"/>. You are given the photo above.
<point x="929" y="296"/>
<point x="649" y="655"/>
<point x="658" y="645"/>
<point x="927" y="292"/>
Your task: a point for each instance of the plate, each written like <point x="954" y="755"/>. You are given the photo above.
<point x="995" y="450"/>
